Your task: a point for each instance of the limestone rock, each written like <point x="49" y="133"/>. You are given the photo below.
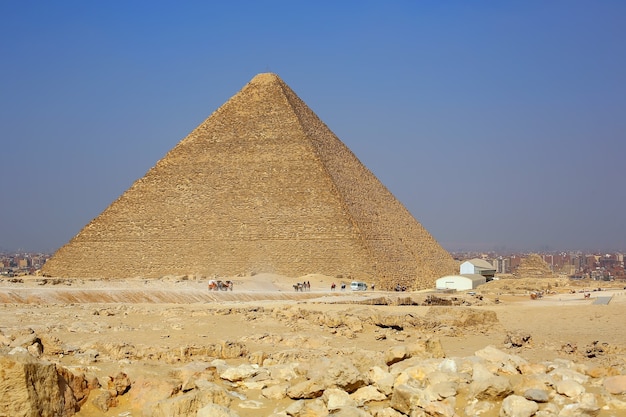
<point x="336" y="398"/>
<point x="275" y="392"/>
<point x="396" y="354"/>
<point x="105" y="400"/>
<point x="505" y="362"/>
<point x="516" y="406"/>
<point x="382" y="379"/>
<point x="615" y="384"/>
<point x="189" y="403"/>
<point x="339" y="372"/>
<point x="30" y="387"/>
<point x="240" y="372"/>
<point x="305" y="389"/>
<point x="493" y="388"/>
<point x="537" y="395"/>
<point x="119" y="384"/>
<point x="569" y="388"/>
<point x="366" y="394"/>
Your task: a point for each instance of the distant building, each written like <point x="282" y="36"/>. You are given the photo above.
<point x="502" y="265"/>
<point x="478" y="267"/>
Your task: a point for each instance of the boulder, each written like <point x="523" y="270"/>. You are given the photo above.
<point x="537" y="395"/>
<point x="443" y="389"/>
<point x="275" y="392"/>
<point x="396" y="354"/>
<point x="31" y="387"/>
<point x="569" y="388"/>
<point x="532" y="368"/>
<point x="336" y="398"/>
<point x="338" y="372"/>
<point x="407" y="398"/>
<point x="305" y="390"/>
<point x="494" y="388"/>
<point x="283" y="372"/>
<point x="238" y="373"/>
<point x="517" y="406"/>
<point x="615" y="385"/>
<point x="147" y="391"/>
<point x="508" y="364"/>
<point x="382" y="379"/>
<point x="119" y="384"/>
<point x="402" y="398"/>
<point x="366" y="394"/>
<point x="79" y="385"/>
<point x="313" y="408"/>
<point x="189" y="403"/>
<point x="104" y="400"/>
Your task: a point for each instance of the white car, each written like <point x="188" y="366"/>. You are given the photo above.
<point x="358" y="286"/>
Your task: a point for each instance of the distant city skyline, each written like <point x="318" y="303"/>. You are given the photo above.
<point x="498" y="126"/>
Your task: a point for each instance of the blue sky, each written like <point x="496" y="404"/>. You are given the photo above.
<point x="499" y="125"/>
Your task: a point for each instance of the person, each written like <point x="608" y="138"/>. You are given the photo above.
<point x="332" y="286"/>
<point x="373" y="287"/>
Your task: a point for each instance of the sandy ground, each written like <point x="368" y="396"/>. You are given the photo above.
<point x="172" y="313"/>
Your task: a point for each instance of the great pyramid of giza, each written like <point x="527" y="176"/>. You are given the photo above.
<point x="262" y="185"/>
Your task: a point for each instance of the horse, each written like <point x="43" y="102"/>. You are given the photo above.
<point x="225" y="285"/>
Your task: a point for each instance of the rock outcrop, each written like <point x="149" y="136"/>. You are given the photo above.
<point x="32" y="387"/>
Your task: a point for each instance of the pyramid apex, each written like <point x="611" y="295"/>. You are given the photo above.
<point x="265" y="78"/>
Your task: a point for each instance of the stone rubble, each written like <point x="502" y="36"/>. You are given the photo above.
<point x="402" y="381"/>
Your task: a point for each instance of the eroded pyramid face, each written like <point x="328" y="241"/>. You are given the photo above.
<point x="262" y="185"/>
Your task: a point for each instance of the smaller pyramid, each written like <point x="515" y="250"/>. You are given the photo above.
<point x="533" y="266"/>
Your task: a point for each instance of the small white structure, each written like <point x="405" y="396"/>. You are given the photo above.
<point x="461" y="282"/>
<point x="478" y="266"/>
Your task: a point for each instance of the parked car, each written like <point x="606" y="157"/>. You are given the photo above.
<point x="358" y="286"/>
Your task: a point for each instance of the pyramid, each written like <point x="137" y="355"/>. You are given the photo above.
<point x="533" y="266"/>
<point x="262" y="185"/>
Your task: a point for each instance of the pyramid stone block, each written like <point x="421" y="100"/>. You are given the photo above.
<point x="262" y="185"/>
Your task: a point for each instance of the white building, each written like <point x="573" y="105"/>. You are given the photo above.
<point x="461" y="282"/>
<point x="478" y="266"/>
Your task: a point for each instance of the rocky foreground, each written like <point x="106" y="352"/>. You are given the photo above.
<point x="295" y="358"/>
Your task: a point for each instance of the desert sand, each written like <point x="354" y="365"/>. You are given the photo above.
<point x="149" y="328"/>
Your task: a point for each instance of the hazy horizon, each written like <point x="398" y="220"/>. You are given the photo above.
<point x="500" y="126"/>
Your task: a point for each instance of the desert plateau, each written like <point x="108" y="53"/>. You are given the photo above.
<point x="171" y="347"/>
